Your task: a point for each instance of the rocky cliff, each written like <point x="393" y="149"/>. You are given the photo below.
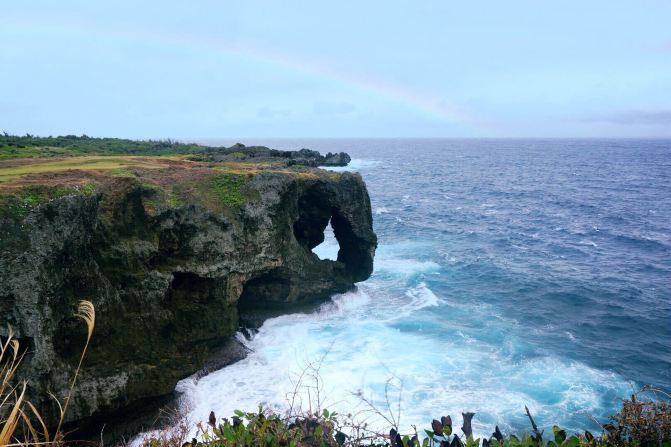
<point x="167" y="254"/>
<point x="240" y="152"/>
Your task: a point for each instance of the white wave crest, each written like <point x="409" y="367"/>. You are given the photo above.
<point x="357" y="164"/>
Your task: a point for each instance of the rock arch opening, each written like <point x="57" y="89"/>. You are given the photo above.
<point x="315" y="229"/>
<point x="322" y="215"/>
<point x="329" y="247"/>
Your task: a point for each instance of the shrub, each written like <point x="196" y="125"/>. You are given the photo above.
<point x="645" y="422"/>
<point x="227" y="188"/>
<point x="639" y="423"/>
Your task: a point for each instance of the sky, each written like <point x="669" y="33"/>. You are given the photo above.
<point x="285" y="68"/>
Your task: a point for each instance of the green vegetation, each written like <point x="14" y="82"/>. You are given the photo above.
<point x="19" y="203"/>
<point x="639" y="423"/>
<point x="173" y="200"/>
<point x="29" y="146"/>
<point x="122" y="172"/>
<point x="644" y="420"/>
<point x="173" y="167"/>
<point x="237" y="155"/>
<point x="217" y="192"/>
<point x="86" y="189"/>
<point x="228" y="189"/>
<point x="117" y="166"/>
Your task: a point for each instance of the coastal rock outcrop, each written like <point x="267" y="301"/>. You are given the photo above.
<point x="302" y="157"/>
<point x="168" y="275"/>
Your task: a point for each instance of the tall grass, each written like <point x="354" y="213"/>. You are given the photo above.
<point x="20" y="422"/>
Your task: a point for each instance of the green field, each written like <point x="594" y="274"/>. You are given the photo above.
<point x="12" y="171"/>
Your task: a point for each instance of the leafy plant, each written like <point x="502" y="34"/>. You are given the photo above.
<point x="640" y="423"/>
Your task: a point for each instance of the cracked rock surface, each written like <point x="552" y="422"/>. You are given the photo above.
<point x="167" y="280"/>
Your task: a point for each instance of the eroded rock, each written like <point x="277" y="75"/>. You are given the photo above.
<point x="167" y="278"/>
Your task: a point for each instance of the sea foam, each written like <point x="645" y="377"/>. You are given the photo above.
<point x="535" y="304"/>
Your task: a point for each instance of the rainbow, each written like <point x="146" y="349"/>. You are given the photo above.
<point x="428" y="106"/>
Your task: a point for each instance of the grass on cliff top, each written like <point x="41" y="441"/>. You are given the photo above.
<point x="19" y="202"/>
<point x="228" y="189"/>
<point x="11" y="170"/>
<point x="118" y="165"/>
<point x="218" y="186"/>
<point x="217" y="191"/>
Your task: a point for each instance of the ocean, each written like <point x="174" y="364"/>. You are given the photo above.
<point x="508" y="273"/>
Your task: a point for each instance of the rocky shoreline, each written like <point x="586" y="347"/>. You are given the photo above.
<point x="168" y="256"/>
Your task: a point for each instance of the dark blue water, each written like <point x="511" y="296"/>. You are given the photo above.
<point x="509" y="273"/>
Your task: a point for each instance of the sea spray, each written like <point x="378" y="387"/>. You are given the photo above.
<point x="509" y="273"/>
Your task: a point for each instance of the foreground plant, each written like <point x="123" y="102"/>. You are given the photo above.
<point x="640" y="423"/>
<point x="262" y="428"/>
<point x="20" y="422"/>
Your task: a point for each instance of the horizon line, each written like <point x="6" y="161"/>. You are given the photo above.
<point x="192" y="139"/>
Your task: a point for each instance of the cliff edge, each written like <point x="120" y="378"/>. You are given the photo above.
<point x="168" y="249"/>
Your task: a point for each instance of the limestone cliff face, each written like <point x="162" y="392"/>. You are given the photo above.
<point x="167" y="278"/>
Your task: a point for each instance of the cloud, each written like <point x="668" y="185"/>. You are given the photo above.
<point x="12" y="107"/>
<point x="637" y="117"/>
<point x="272" y="113"/>
<point x="330" y="108"/>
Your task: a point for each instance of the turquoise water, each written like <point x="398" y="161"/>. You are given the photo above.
<point x="509" y="273"/>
